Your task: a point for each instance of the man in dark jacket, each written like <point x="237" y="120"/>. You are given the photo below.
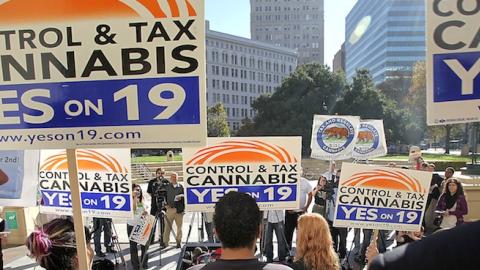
<point x="455" y="248"/>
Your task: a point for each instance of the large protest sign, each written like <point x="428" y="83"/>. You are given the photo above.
<point x="267" y="168"/>
<point x="104" y="178"/>
<point x="453" y="62"/>
<point x="92" y="74"/>
<point x="334" y="136"/>
<point x="18" y="174"/>
<point x="371" y="140"/>
<point x="374" y="197"/>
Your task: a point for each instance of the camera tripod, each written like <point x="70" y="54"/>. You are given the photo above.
<point x="116" y="244"/>
<point x="159" y="216"/>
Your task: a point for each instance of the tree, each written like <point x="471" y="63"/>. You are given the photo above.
<point x="311" y="89"/>
<point x="396" y="86"/>
<point x="364" y="100"/>
<point x="217" y="125"/>
<point x="416" y="104"/>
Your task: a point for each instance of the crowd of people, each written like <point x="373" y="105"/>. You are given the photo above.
<point x="238" y="224"/>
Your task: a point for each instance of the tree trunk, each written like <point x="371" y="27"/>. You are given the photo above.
<point x="448" y="128"/>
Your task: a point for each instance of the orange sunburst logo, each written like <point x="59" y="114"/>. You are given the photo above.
<point x="88" y="160"/>
<point x="240" y="152"/>
<point x="48" y="10"/>
<point x="384" y="179"/>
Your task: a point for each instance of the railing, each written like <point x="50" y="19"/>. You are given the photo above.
<point x="141" y="172"/>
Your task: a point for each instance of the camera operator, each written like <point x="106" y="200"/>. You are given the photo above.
<point x="175" y="207"/>
<point x="156" y="190"/>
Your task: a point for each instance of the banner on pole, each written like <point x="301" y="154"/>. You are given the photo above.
<point x="384" y="198"/>
<point x="371" y="140"/>
<point x="334" y="136"/>
<point x="267" y="168"/>
<point x="104" y="178"/>
<point x="92" y="74"/>
<point x="18" y="174"/>
<point x="453" y="62"/>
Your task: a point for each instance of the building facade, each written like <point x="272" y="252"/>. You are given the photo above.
<point x="239" y="70"/>
<point x="295" y="24"/>
<point x="338" y="63"/>
<point x="386" y="37"/>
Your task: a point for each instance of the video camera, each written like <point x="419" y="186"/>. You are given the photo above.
<point x="160" y="192"/>
<point x="330" y="187"/>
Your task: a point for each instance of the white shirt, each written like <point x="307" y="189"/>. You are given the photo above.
<point x="305" y="188"/>
<point x="274" y="216"/>
<point x="137" y="214"/>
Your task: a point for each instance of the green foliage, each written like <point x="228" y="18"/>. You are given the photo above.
<point x="416" y="104"/>
<point x="396" y="87"/>
<point x="364" y="100"/>
<point x="314" y="89"/>
<point x="217" y="125"/>
<point x="311" y="89"/>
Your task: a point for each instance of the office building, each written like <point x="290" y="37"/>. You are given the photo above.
<point x="386" y="37"/>
<point x="239" y="70"/>
<point x="295" y="24"/>
<point x="339" y="60"/>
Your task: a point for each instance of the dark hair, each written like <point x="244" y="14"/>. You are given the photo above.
<point x="451" y="169"/>
<point x="159" y="170"/>
<point x="53" y="246"/>
<point x="237" y="220"/>
<point x="141" y="192"/>
<point x="459" y="187"/>
<point x="320" y="178"/>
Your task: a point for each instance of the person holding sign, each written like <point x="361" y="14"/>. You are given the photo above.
<point x="453" y="205"/>
<point x="291" y="216"/>
<point x="314" y="245"/>
<point x="139" y="210"/>
<point x="319" y="194"/>
<point x="54" y="246"/>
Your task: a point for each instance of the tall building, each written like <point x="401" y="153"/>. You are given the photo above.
<point x="386" y="37"/>
<point x="239" y="70"/>
<point x="295" y="24"/>
<point x="339" y="60"/>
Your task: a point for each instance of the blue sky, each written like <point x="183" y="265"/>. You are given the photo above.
<point x="233" y="17"/>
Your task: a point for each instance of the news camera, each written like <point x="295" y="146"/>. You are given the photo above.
<point x="160" y="192"/>
<point x="330" y="187"/>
